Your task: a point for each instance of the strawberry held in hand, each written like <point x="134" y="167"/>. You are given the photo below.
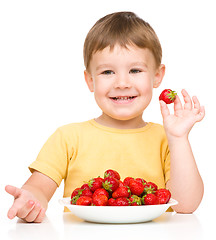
<point x="168" y="96"/>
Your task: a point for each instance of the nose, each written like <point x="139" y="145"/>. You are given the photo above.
<point x="122" y="81"/>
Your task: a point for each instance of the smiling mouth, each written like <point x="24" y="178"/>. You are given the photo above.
<point x="123" y="98"/>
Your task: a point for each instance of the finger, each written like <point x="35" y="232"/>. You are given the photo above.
<point x="18" y="204"/>
<point x="177" y="104"/>
<point x="24" y="211"/>
<point x="164" y="109"/>
<point x="40" y="216"/>
<point x="196" y="102"/>
<point x="14" y="191"/>
<point x="187" y="100"/>
<point x="201" y="114"/>
<point x="33" y="213"/>
<point x="12" y="213"/>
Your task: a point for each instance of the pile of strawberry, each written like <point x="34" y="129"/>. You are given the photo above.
<point x="111" y="191"/>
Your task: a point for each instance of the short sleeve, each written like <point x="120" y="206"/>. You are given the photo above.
<point x="167" y="166"/>
<point x="52" y="159"/>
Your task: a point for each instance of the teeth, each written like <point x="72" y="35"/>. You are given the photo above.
<point x="122" y="98"/>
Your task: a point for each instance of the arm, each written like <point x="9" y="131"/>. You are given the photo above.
<point x="185" y="182"/>
<point x="31" y="201"/>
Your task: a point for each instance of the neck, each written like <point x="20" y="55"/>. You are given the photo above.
<point x="133" y="123"/>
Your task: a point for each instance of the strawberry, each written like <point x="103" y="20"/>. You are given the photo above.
<point x="110" y="184"/>
<point x="84" y="200"/>
<point x="112" y="202"/>
<point x="122" y="201"/>
<point x="141" y="180"/>
<point x="111" y="173"/>
<point x="75" y="195"/>
<point x="100" y="200"/>
<point x="136" y="187"/>
<point x="121" y="192"/>
<point x="95" y="183"/>
<point x="121" y="184"/>
<point x="100" y="191"/>
<point x="127" y="181"/>
<point x="76" y="192"/>
<point x="85" y="186"/>
<point x="135" y="200"/>
<point x="150" y="199"/>
<point x="163" y="195"/>
<point x="168" y="96"/>
<point x="153" y="185"/>
<point x="86" y="192"/>
<point x="150" y="187"/>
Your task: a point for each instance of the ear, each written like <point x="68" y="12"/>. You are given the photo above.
<point x="89" y="80"/>
<point x="160" y="72"/>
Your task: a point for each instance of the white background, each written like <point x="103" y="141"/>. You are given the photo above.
<point x="42" y="85"/>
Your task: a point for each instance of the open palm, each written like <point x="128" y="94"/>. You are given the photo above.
<point x="180" y="123"/>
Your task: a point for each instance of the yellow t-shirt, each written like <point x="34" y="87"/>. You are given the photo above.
<point x="78" y="152"/>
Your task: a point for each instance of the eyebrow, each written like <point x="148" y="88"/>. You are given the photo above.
<point x="110" y="66"/>
<point x="103" y="66"/>
<point x="140" y="63"/>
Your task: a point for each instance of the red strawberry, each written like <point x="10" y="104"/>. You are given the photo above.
<point x="135" y="200"/>
<point x="121" y="192"/>
<point x="122" y="201"/>
<point x="84" y="200"/>
<point x="150" y="199"/>
<point x="87" y="192"/>
<point x="121" y="184"/>
<point x="168" y="96"/>
<point x="141" y="180"/>
<point x="136" y="187"/>
<point x="100" y="200"/>
<point x="163" y="195"/>
<point x="153" y="185"/>
<point x="95" y="183"/>
<point x="101" y="191"/>
<point x="75" y="195"/>
<point x="150" y="187"/>
<point x="127" y="181"/>
<point x="85" y="186"/>
<point x="76" y="192"/>
<point x="111" y="173"/>
<point x="110" y="184"/>
<point x="112" y="202"/>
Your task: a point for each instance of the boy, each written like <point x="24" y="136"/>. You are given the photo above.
<point x="122" y="56"/>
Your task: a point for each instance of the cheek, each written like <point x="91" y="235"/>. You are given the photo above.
<point x="145" y="88"/>
<point x="102" y="87"/>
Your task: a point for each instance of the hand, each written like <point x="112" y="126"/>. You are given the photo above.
<point x="25" y="205"/>
<point x="180" y="123"/>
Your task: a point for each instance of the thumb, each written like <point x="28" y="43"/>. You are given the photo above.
<point x="14" y="191"/>
<point x="164" y="109"/>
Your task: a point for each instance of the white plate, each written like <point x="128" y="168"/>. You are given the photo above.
<point x="114" y="214"/>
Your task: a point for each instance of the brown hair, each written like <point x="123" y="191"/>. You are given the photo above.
<point x="123" y="28"/>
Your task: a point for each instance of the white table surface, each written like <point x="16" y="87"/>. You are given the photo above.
<point x="59" y="225"/>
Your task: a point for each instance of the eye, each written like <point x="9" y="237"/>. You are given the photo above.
<point x="107" y="72"/>
<point x="135" y="71"/>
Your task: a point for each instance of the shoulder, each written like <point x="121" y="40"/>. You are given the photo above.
<point x="73" y="128"/>
<point x="157" y="127"/>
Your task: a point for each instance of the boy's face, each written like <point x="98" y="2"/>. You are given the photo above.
<point x="122" y="80"/>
